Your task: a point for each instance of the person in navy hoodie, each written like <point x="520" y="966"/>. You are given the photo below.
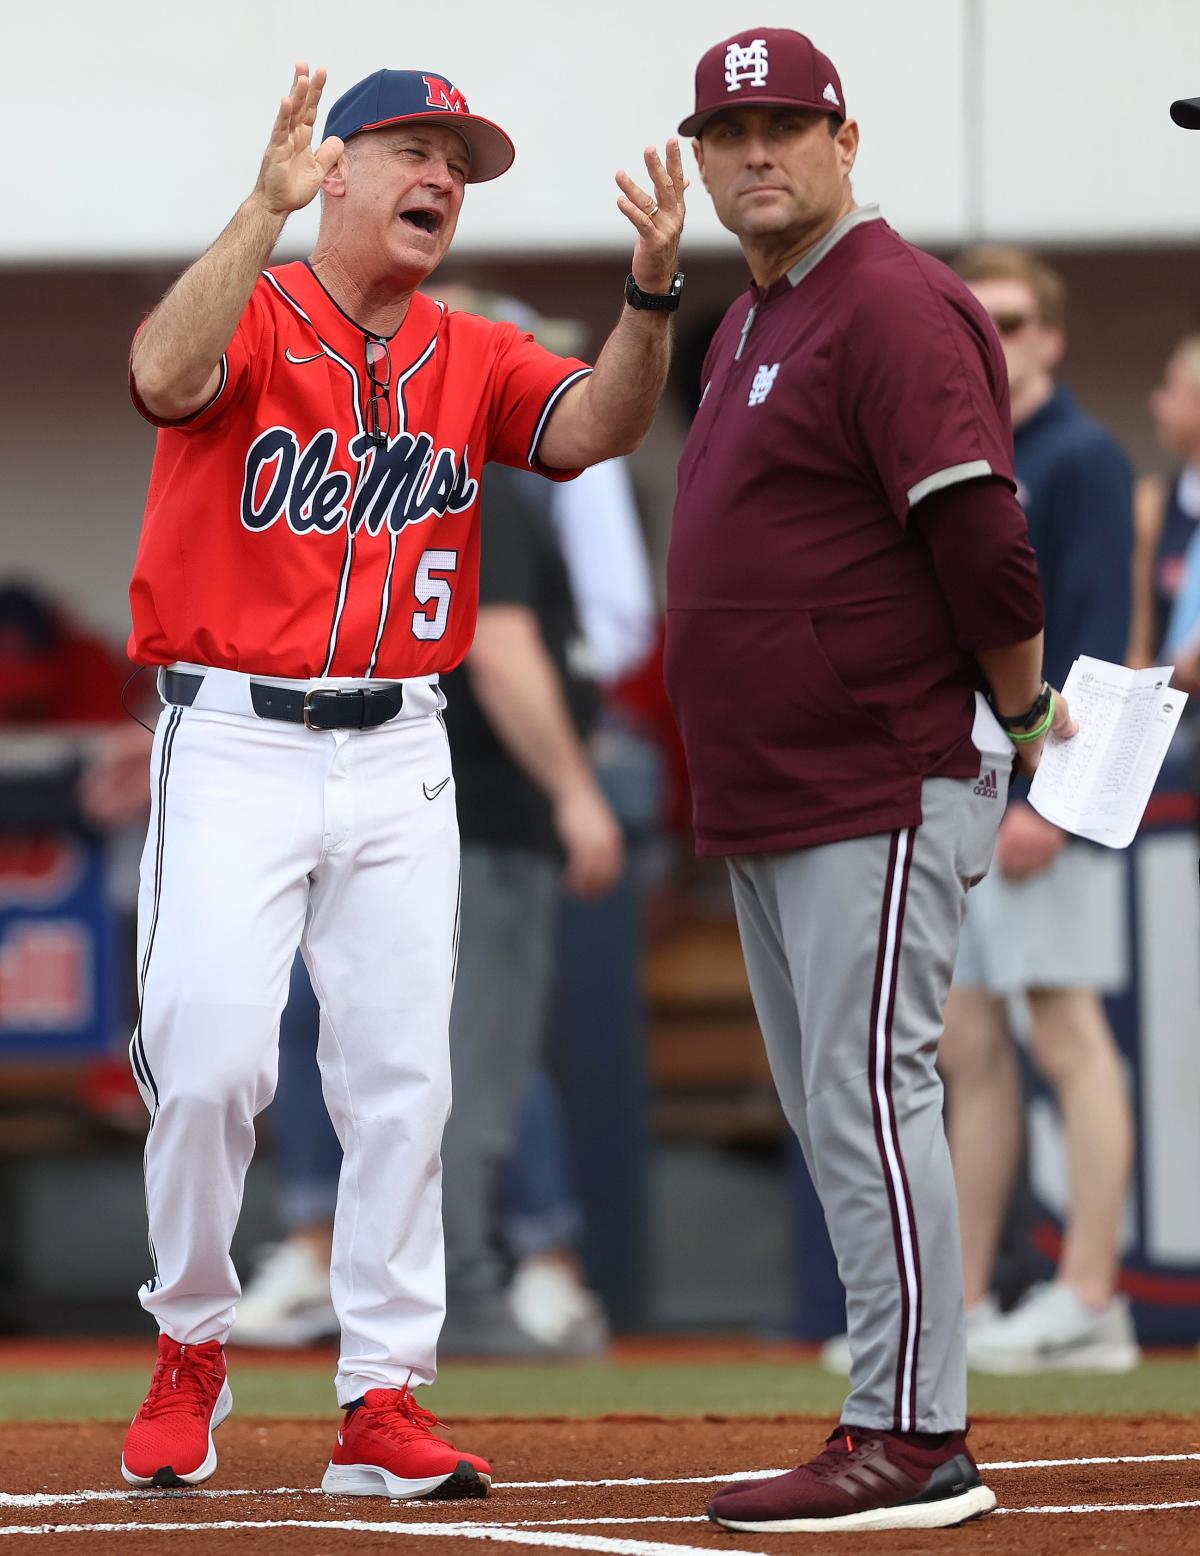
<point x="1049" y="921"/>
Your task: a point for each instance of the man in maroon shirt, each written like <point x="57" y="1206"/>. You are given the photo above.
<point x="853" y="609"/>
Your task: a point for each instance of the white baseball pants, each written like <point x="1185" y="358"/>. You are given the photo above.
<point x="265" y="835"/>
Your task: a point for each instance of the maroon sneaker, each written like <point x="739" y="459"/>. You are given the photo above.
<point x="387" y="1447"/>
<point x="864" y="1480"/>
<point x="169" y="1442"/>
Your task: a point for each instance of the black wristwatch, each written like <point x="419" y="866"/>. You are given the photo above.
<point x="1034" y="714"/>
<point x="658" y="302"/>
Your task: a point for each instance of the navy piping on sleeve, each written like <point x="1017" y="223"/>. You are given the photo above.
<point x="182" y="421"/>
<point x="555" y="395"/>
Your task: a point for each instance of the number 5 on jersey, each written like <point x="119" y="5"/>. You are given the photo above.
<point x="432" y="589"/>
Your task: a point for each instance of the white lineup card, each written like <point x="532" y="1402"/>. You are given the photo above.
<point x="1097" y="784"/>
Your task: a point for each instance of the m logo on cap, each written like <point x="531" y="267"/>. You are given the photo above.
<point x="747" y="64"/>
<point x="442" y="95"/>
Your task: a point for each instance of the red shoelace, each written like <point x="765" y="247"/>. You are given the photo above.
<point x="402" y="1418"/>
<point x="189" y="1384"/>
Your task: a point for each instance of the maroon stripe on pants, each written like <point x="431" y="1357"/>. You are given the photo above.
<point x="891" y="1102"/>
<point x="878" y="997"/>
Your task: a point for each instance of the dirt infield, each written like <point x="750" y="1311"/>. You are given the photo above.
<point x="639" y="1488"/>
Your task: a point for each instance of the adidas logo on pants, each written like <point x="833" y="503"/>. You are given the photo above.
<point x="987" y="786"/>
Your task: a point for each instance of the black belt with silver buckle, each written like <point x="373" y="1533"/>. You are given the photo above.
<point x="325" y="707"/>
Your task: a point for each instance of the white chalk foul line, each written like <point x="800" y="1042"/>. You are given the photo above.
<point x="523" y="1532"/>
<point x="732" y="1475"/>
<point x="571" y="1523"/>
<point x="1103" y="1507"/>
<point x="1120" y="1458"/>
<point x="639" y="1480"/>
<point x="75" y="1498"/>
<point x="503" y="1534"/>
<point x="191" y="1493"/>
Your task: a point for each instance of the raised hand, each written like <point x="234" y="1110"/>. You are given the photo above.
<point x="658" y="218"/>
<point x="292" y="171"/>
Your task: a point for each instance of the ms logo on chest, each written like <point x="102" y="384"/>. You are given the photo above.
<point x="764" y="382"/>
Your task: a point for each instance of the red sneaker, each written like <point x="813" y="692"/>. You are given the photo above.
<point x="169" y="1441"/>
<point x="864" y="1480"/>
<point x="387" y="1448"/>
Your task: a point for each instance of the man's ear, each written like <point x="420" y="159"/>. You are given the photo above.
<point x="334" y="182"/>
<point x="698" y="153"/>
<point x="846" y="141"/>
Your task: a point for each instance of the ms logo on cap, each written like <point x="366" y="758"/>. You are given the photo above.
<point x="440" y="94"/>
<point x="747" y="64"/>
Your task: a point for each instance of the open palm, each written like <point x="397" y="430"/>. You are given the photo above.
<point x="292" y="171"/>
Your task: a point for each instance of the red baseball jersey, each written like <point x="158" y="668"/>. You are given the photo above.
<point x="282" y="538"/>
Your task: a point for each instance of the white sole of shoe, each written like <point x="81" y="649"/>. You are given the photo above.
<point x="221" y="1409"/>
<point x="1095" y="1358"/>
<point x="369" y="1480"/>
<point x="916" y="1515"/>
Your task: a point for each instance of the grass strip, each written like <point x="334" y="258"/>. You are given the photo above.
<point x="1159" y="1386"/>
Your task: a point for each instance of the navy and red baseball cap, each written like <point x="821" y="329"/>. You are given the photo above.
<point x="769" y="66"/>
<point x="1186" y="113"/>
<point x="422" y="97"/>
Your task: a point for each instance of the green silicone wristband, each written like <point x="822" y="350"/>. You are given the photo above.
<point x="1035" y="734"/>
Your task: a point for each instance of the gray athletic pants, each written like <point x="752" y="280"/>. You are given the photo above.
<point x="850" y="947"/>
<point x="497" y="1031"/>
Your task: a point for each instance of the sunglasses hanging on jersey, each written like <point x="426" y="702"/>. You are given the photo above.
<point x="379" y="406"/>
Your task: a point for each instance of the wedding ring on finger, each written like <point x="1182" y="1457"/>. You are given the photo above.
<point x="653" y="211"/>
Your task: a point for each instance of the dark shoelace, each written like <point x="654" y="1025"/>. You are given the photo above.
<point x="832" y="1459"/>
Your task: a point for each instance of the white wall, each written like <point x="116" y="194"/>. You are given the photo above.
<point x="137" y="125"/>
<point x="1077" y="141"/>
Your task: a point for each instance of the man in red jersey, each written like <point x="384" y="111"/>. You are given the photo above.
<point x="853" y="648"/>
<point x="308" y="568"/>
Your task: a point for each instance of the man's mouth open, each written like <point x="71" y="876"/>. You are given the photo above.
<point x="424" y="219"/>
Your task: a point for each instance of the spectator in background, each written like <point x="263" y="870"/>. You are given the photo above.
<point x="1049" y="922"/>
<point x="517" y="712"/>
<point x="581" y="1161"/>
<point x="53" y="670"/>
<point x="57" y="673"/>
<point x="1167" y="572"/>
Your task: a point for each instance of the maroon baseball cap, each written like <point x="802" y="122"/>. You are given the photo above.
<point x="772" y="66"/>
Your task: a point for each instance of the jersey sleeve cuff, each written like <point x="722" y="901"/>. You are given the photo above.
<point x="952" y="475"/>
<point x="179" y="421"/>
<point x="543" y="421"/>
